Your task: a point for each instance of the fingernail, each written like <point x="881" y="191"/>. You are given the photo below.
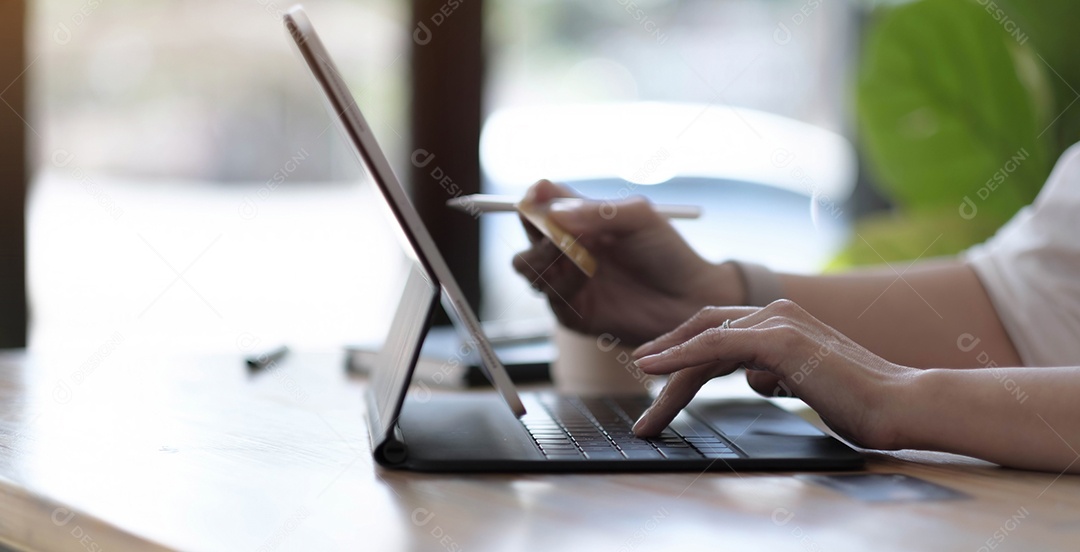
<point x="644" y="363"/>
<point x="641" y="422"/>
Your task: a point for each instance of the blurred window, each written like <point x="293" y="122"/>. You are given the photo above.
<point x="190" y="190"/>
<point x="738" y="105"/>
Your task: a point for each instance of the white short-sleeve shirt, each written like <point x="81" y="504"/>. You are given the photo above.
<point x="1031" y="270"/>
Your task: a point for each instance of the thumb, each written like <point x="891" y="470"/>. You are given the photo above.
<point x="589" y="217"/>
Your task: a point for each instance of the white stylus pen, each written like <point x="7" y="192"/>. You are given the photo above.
<point x="489" y="203"/>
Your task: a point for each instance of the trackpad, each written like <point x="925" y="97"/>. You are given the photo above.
<point x="736" y="418"/>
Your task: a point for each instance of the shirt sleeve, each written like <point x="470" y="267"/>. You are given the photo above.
<point x="1031" y="270"/>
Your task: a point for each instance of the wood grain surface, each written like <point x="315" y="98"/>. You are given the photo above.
<point x="129" y="452"/>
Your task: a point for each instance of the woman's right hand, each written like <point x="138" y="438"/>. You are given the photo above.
<point x="648" y="280"/>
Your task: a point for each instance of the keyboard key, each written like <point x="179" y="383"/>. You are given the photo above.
<point x="681" y="453"/>
<point x="711" y="444"/>
<point x="642" y="454"/>
<point x="561" y="450"/>
<point x="581" y="428"/>
<point x="591" y="439"/>
<point x="554" y="441"/>
<point x="601" y="429"/>
<point x="595" y="447"/>
<point x="610" y="454"/>
<point x="711" y="450"/>
<point x="674" y="444"/>
<point x="634" y="443"/>
<point x="721" y="454"/>
<point x="704" y="439"/>
<point x="546" y="431"/>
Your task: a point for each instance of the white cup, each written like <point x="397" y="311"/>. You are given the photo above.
<point x="596" y="365"/>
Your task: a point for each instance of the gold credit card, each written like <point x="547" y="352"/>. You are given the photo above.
<point x="537" y="215"/>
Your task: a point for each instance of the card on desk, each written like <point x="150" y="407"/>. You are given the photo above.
<point x="885" y="487"/>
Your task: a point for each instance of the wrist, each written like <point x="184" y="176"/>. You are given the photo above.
<point x="722" y="284"/>
<point x="757" y="285"/>
<point x="911" y="419"/>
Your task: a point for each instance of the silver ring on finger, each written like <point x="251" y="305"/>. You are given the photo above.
<point x="727" y="326"/>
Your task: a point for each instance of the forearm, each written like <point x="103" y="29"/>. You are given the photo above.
<point x="914" y="318"/>
<point x="1017" y="417"/>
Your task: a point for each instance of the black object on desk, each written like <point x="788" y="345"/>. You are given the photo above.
<point x="445" y="361"/>
<point x="265" y="359"/>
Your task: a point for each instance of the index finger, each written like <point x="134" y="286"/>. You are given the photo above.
<point x="679" y="391"/>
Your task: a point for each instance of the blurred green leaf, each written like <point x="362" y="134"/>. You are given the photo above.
<point x="956" y="108"/>
<point x="1049" y="26"/>
<point x="943" y="109"/>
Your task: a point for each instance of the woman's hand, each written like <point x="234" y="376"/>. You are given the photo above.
<point x="857" y="393"/>
<point x="647" y="281"/>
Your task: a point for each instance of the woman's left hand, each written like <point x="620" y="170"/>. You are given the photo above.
<point x="858" y="394"/>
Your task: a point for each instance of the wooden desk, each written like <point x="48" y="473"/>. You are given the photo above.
<point x="117" y="452"/>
